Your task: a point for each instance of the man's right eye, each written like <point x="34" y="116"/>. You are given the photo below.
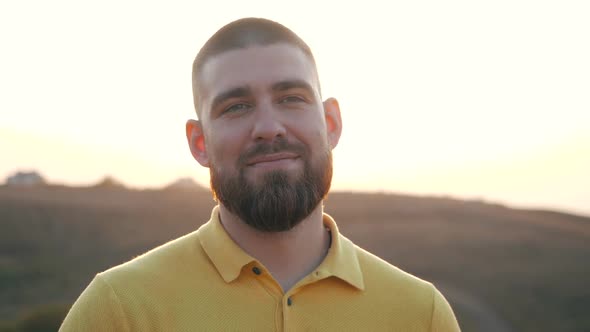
<point x="236" y="108"/>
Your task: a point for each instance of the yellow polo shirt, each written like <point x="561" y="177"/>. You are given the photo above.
<point x="204" y="281"/>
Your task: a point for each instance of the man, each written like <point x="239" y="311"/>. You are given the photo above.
<point x="268" y="259"/>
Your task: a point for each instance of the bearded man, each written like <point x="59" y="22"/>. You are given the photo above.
<point x="269" y="259"/>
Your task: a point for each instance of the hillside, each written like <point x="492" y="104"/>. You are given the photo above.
<point x="501" y="268"/>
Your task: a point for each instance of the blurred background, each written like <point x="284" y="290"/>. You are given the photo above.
<point x="464" y="157"/>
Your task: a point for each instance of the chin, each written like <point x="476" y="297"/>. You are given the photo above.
<point x="262" y="178"/>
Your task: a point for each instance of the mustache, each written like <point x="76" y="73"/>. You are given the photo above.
<point x="280" y="145"/>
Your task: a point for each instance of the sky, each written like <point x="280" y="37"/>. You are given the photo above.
<point x="468" y="99"/>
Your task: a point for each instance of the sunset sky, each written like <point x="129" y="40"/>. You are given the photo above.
<point x="475" y="100"/>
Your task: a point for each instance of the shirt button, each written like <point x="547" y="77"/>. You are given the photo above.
<point x="256" y="270"/>
<point x="289" y="302"/>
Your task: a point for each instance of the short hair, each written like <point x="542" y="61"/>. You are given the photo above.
<point x="243" y="33"/>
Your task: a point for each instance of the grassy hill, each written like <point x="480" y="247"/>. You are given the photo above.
<point x="501" y="268"/>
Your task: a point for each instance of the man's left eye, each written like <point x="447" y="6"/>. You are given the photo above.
<point x="291" y="99"/>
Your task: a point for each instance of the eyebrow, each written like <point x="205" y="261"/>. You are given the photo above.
<point x="292" y="84"/>
<point x="238" y="92"/>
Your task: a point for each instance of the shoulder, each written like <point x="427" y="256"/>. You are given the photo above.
<point x="400" y="291"/>
<point x="384" y="275"/>
<point x="160" y="263"/>
<point x="135" y="294"/>
<point x="395" y="289"/>
<point x="123" y="292"/>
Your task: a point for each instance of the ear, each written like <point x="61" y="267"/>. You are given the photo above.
<point x="196" y="142"/>
<point x="333" y="121"/>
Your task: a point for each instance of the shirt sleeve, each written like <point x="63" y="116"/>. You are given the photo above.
<point x="443" y="318"/>
<point x="97" y="309"/>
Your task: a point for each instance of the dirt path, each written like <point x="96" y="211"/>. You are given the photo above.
<point x="482" y="317"/>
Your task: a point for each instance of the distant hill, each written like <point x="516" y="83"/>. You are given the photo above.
<point x="501" y="268"/>
<point x="186" y="184"/>
<point x="109" y="182"/>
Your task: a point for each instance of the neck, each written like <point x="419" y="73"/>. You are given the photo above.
<point x="289" y="256"/>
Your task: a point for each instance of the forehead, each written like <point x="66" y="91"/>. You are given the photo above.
<point x="256" y="67"/>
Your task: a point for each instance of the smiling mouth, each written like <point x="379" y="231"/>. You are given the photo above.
<point x="272" y="159"/>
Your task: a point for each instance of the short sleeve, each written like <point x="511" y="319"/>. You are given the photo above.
<point x="97" y="309"/>
<point x="443" y="318"/>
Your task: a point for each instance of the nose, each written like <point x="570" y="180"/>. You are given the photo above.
<point x="268" y="124"/>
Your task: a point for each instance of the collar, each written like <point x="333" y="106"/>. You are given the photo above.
<point x="225" y="254"/>
<point x="341" y="261"/>
<point x="229" y="259"/>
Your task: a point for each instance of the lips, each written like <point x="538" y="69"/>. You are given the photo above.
<point x="271" y="157"/>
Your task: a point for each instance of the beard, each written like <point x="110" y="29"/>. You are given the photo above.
<point x="278" y="203"/>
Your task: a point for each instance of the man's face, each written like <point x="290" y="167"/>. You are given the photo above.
<point x="267" y="137"/>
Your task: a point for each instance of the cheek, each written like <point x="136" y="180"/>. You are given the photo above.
<point x="225" y="145"/>
<point x="316" y="137"/>
<point x="309" y="125"/>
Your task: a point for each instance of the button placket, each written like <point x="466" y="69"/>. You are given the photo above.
<point x="266" y="281"/>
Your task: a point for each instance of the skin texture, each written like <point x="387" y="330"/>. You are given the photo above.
<point x="261" y="95"/>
